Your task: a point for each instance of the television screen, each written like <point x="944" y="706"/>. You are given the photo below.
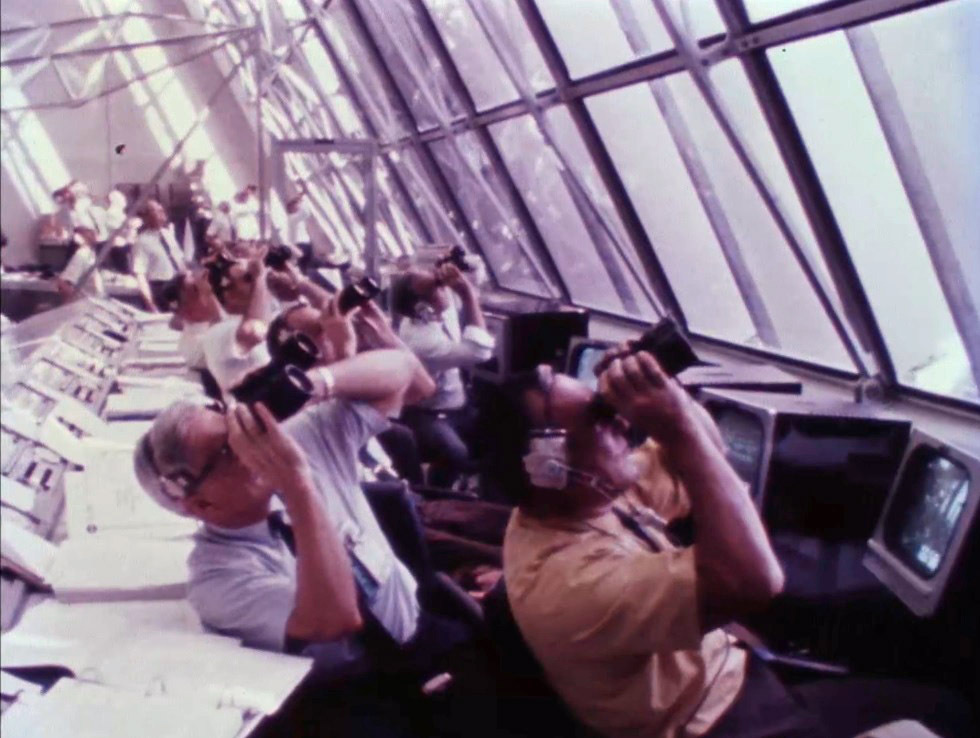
<point x="583" y="355"/>
<point x="923" y="537"/>
<point x="934" y="492"/>
<point x="542" y="338"/>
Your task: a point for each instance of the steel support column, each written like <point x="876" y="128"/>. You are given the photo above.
<point x="813" y="199"/>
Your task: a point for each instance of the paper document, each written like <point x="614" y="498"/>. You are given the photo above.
<point x="113" y="504"/>
<point x="99" y="569"/>
<point x="83" y="710"/>
<point x="196" y="665"/>
<point x="17" y="495"/>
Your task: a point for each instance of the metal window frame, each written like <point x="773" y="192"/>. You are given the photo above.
<point x="536" y="251"/>
<point x="925" y="205"/>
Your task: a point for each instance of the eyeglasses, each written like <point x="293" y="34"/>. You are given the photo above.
<point x="189" y="483"/>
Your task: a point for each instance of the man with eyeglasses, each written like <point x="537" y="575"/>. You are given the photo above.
<point x="290" y="556"/>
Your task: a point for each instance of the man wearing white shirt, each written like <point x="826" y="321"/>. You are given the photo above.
<point x="446" y="338"/>
<point x="157" y="258"/>
<point x="245" y="215"/>
<point x="297" y="229"/>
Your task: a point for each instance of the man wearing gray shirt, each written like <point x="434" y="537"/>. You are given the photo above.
<point x="243" y="476"/>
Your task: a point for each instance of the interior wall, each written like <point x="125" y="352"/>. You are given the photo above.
<point x="84" y="138"/>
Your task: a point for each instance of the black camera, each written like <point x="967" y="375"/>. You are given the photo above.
<point x="277" y="256"/>
<point x="356" y="294"/>
<point x="456" y="257"/>
<point x="668" y="345"/>
<point x="282" y="384"/>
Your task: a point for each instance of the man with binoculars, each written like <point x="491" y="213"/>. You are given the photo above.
<point x="442" y="322"/>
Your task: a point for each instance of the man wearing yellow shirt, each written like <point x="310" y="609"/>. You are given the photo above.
<point x="626" y="625"/>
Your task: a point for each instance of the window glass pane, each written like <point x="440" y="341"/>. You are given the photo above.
<point x="541" y="180"/>
<point x="434" y="214"/>
<point x="475" y="58"/>
<point x="611" y="241"/>
<point x="590" y="35"/>
<point x="509" y="16"/>
<point x="668" y="206"/>
<point x="802" y="328"/>
<point x="760" y="10"/>
<point x="823" y="85"/>
<point x="386" y="115"/>
<point x="490" y="214"/>
<point x="413" y="63"/>
<point x="699" y="18"/>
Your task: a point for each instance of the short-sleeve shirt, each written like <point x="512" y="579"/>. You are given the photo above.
<point x="296" y="224"/>
<point x="243" y="581"/>
<point x="228" y="363"/>
<point x="615" y="626"/>
<point x="157" y="255"/>
<point x="443" y="347"/>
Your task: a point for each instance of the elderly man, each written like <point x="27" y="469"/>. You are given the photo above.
<point x="446" y="339"/>
<point x="327" y="584"/>
<point x="625" y="624"/>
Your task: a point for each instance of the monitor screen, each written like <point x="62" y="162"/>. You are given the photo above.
<point x="745" y="440"/>
<point x="929" y="504"/>
<point x="583" y="355"/>
<point x="542" y="338"/>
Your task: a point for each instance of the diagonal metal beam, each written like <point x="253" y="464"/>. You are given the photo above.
<point x="94" y="51"/>
<point x="699" y="76"/>
<point x="100" y="18"/>
<point x="665" y="299"/>
<point x="446" y="197"/>
<point x="536" y="252"/>
<point x="806" y="182"/>
<point x="925" y="204"/>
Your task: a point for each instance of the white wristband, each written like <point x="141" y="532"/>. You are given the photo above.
<point x="324" y="381"/>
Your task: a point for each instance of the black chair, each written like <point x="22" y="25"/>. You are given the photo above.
<point x="398" y="517"/>
<point x="528" y="704"/>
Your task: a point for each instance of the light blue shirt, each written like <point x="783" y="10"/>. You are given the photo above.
<point x="243" y="581"/>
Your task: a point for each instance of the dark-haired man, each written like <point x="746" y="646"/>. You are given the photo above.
<point x="625" y="624"/>
<point x="444" y="325"/>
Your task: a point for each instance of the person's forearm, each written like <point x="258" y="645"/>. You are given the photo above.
<point x="313" y="292"/>
<point x="260" y="304"/>
<point x="472" y="312"/>
<point x="326" y="606"/>
<point x="736" y="565"/>
<point x="373" y="375"/>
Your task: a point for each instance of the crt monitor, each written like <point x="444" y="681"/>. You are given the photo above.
<point x="924" y="533"/>
<point x="531" y="339"/>
<point x="819" y="471"/>
<point x="583" y="355"/>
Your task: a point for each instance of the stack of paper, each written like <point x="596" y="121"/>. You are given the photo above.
<point x="151" y="661"/>
<point x="84" y="710"/>
<point x="115" y="504"/>
<point x="99" y="569"/>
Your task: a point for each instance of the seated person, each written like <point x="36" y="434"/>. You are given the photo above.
<point x="157" y="258"/>
<point x="625" y="624"/>
<point x="236" y="346"/>
<point x="84" y="259"/>
<point x="373" y="332"/>
<point x="445" y="341"/>
<point x="327" y="584"/>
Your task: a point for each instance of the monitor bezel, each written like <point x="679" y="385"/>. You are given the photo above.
<point x="922" y="594"/>
<point x="577" y="345"/>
